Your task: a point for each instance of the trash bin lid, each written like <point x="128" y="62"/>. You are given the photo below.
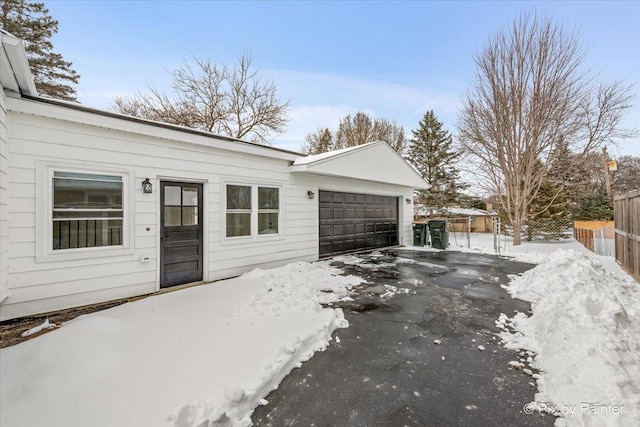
<point x="437" y="223"/>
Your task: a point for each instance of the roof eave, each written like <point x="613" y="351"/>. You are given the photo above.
<point x="17" y="55"/>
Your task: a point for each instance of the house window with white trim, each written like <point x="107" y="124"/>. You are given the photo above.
<point x="238" y="210"/>
<point x="252" y="210"/>
<point x="268" y="210"/>
<point x="87" y="210"/>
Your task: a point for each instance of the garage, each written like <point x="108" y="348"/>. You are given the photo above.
<point x="350" y="222"/>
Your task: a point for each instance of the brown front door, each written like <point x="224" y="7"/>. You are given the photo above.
<point x="180" y="233"/>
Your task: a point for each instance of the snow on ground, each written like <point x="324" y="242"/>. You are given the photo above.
<point x="585" y="331"/>
<point x="207" y="355"/>
<point x="583" y="334"/>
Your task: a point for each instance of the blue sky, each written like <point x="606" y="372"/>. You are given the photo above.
<point x="392" y="59"/>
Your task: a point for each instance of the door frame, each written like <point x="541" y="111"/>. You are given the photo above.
<point x="205" y="225"/>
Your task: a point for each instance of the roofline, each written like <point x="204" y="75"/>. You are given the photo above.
<point x="162" y="125"/>
<point x="339" y="153"/>
<point x="304" y="167"/>
<point x="18" y="62"/>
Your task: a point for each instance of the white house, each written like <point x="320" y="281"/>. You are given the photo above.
<point x="77" y="225"/>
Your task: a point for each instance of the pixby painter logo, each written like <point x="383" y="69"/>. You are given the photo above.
<point x="583" y="408"/>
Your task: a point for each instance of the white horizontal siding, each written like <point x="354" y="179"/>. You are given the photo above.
<point x="40" y="284"/>
<point x="37" y="139"/>
<point x="4" y="193"/>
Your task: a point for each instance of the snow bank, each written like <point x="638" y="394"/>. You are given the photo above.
<point x="585" y="331"/>
<point x="207" y="355"/>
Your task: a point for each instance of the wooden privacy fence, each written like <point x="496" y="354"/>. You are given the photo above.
<point x="626" y="209"/>
<point x="585" y="233"/>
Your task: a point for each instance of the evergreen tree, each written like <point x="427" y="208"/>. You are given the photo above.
<point x="549" y="211"/>
<point x="597" y="207"/>
<point x="431" y="153"/>
<point x="31" y="22"/>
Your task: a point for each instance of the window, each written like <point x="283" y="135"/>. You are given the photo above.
<point x="180" y="205"/>
<point x="268" y="204"/>
<point x="87" y="210"/>
<point x="252" y="210"/>
<point x="238" y="210"/>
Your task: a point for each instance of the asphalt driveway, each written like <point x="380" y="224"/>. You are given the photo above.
<point x="386" y="369"/>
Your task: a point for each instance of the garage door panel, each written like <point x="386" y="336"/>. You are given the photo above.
<point x="325" y="196"/>
<point x="325" y="230"/>
<point x="324" y="213"/>
<point x="351" y="221"/>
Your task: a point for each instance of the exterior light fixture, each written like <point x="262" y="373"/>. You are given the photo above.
<point x="408" y="201"/>
<point x="311" y="195"/>
<point x="146" y="186"/>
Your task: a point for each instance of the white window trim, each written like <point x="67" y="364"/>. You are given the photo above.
<point x="44" y="213"/>
<point x="254" y="236"/>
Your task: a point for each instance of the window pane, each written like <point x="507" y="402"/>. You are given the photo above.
<point x="71" y="192"/>
<point x="238" y="197"/>
<point x="268" y="198"/>
<point x="238" y="224"/>
<point x="189" y="215"/>
<point x="172" y="215"/>
<point x="72" y="234"/>
<point x="189" y="196"/>
<point x="172" y="195"/>
<point x="267" y="223"/>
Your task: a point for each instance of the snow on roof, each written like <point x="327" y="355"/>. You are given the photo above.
<point x="375" y="161"/>
<point x="317" y="157"/>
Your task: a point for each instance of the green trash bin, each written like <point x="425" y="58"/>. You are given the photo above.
<point x="439" y="234"/>
<point x="419" y="234"/>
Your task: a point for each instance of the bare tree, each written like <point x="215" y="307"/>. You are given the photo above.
<point x="356" y="130"/>
<point x="233" y="101"/>
<point x="390" y="132"/>
<point x="601" y="112"/>
<point x="529" y="95"/>
<point x="319" y="141"/>
<point x="361" y="129"/>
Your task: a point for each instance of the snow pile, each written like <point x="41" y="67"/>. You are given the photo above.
<point x="207" y="355"/>
<point x="585" y="331"/>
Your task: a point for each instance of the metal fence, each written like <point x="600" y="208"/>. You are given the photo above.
<point x="540" y="238"/>
<point x="627" y="231"/>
